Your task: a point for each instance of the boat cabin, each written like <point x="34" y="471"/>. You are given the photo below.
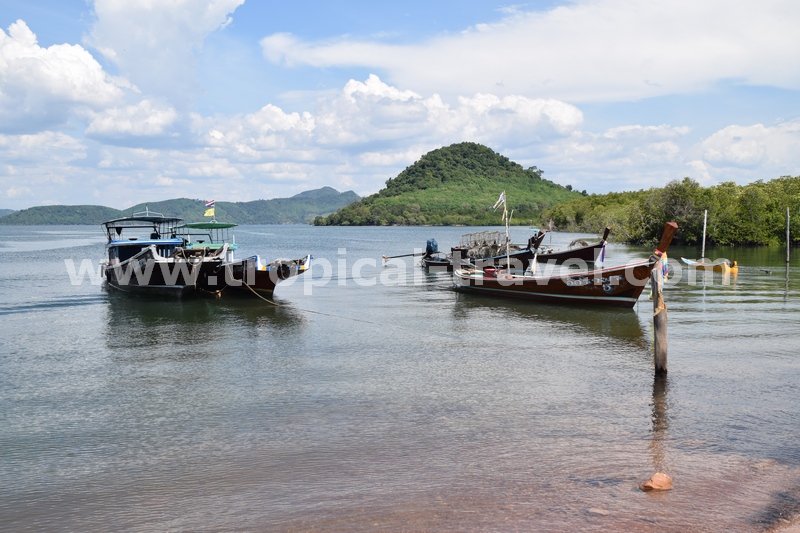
<point x="128" y="236"/>
<point x="208" y="235"/>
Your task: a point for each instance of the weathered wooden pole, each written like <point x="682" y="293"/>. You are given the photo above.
<point x="659" y="321"/>
<point x="659" y="307"/>
<point x="787" y="234"/>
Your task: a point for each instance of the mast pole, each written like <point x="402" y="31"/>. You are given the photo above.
<point x="508" y="236"/>
<point x="705" y="219"/>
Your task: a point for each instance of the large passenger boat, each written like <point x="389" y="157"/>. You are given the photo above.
<point x="153" y="254"/>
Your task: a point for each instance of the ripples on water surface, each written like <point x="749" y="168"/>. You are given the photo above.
<point x="362" y="408"/>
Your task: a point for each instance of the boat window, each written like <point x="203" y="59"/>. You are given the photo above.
<point x="127" y="252"/>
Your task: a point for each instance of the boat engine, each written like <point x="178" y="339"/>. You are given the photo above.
<point x="431" y="247"/>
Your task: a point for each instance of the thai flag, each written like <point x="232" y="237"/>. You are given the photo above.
<point x="210" y="204"/>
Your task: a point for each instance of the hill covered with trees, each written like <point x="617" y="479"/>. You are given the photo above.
<point x="60" y="214"/>
<point x="455" y="185"/>
<point x="299" y="209"/>
<point x="753" y="214"/>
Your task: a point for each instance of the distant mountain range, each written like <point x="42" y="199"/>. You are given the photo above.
<point x="299" y="209"/>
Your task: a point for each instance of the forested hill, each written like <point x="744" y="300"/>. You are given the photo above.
<point x="752" y="214"/>
<point x="455" y="185"/>
<point x="299" y="209"/>
<point x="4" y="212"/>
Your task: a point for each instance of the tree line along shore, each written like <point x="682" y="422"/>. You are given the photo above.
<point x="458" y="185"/>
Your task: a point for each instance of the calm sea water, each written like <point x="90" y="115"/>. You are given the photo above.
<point x="380" y="400"/>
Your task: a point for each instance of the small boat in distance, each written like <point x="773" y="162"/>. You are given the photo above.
<point x="149" y="253"/>
<point x="720" y="265"/>
<point x="618" y="286"/>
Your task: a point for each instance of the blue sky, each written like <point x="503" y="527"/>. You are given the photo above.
<point x="116" y="102"/>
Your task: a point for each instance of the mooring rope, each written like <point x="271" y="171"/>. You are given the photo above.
<point x="266" y="300"/>
<point x="341" y="316"/>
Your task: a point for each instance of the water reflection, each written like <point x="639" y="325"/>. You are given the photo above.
<point x="179" y="325"/>
<point x="660" y="423"/>
<point x="619" y="323"/>
<point x="786" y="290"/>
<point x="693" y="276"/>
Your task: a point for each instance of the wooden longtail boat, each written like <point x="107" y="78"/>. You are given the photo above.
<point x="585" y="252"/>
<point x="616" y="286"/>
<point x="441" y="262"/>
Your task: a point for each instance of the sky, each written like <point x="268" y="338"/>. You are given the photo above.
<point x="116" y="102"/>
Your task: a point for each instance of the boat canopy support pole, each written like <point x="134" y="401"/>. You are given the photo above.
<point x="659" y="321"/>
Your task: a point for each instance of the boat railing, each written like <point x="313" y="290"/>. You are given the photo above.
<point x="153" y="227"/>
<point x="482" y="238"/>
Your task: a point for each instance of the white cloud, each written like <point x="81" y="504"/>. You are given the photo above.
<point x="145" y="119"/>
<point x="370" y="131"/>
<point x="154" y="42"/>
<point x="43" y="88"/>
<point x="214" y="168"/>
<point x="374" y="112"/>
<point x="752" y="146"/>
<point x="626" y="157"/>
<point x="39" y="166"/>
<point x="54" y="147"/>
<point x="267" y="134"/>
<point x="515" y="120"/>
<point x="15" y="192"/>
<point x="358" y="138"/>
<point x="588" y="51"/>
<point x="397" y="158"/>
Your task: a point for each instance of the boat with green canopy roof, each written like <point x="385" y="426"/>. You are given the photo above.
<point x="150" y="253"/>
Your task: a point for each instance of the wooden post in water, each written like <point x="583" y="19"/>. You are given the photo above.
<point x="659" y="307"/>
<point x="787" y="235"/>
<point x="659" y="321"/>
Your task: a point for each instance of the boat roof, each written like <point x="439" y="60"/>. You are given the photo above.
<point x="143" y="217"/>
<point x="206" y="225"/>
<point x="144" y="242"/>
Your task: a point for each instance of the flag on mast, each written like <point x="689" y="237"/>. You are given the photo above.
<point x="601" y="256"/>
<point x="209" y="209"/>
<point x="500" y="200"/>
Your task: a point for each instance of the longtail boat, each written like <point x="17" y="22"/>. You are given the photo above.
<point x="577" y="249"/>
<point x="520" y="259"/>
<point x="618" y="286"/>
